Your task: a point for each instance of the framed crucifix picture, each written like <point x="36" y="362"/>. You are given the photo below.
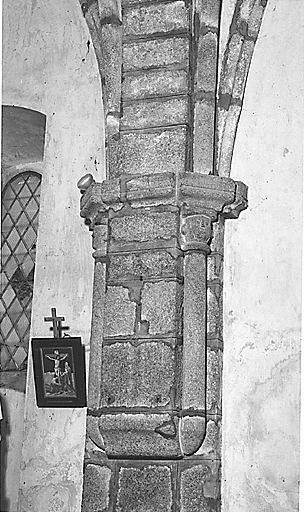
<point x="59" y="372"/>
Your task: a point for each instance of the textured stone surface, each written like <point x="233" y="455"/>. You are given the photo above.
<point x="213" y="392"/>
<point x="211" y="447"/>
<point x="145" y="114"/>
<point x="156" y="186"/>
<point x="214" y="309"/>
<point x="161" y="307"/>
<point x="119" y="312"/>
<point x="215" y="266"/>
<point x="96" y="486"/>
<point x="144" y="226"/>
<point x="203" y="137"/>
<point x="200" y="488"/>
<point x="242" y="69"/>
<point x="194" y="364"/>
<point x="192" y="433"/>
<point x="155" y="53"/>
<point x="209" y="12"/>
<point x="230" y="64"/>
<point x="140" y="435"/>
<point x="137" y="376"/>
<point x="145" y="489"/>
<point x="147" y="153"/>
<point x="156" y="19"/>
<point x="154" y="83"/>
<point x="205" y="78"/>
<point x="143" y="264"/>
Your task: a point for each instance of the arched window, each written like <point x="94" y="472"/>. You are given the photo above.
<point x="20" y="210"/>
<point x="22" y="152"/>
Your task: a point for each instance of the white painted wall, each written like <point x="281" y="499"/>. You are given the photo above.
<point x="263" y="258"/>
<point x="48" y="67"/>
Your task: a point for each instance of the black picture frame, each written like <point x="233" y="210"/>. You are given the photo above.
<point x="59" y="372"/>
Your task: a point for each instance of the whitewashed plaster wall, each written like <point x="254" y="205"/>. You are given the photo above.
<point x="49" y="66"/>
<point x="263" y="258"/>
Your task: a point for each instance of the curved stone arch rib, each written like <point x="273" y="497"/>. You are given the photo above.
<point x="243" y="34"/>
<point x="104" y="20"/>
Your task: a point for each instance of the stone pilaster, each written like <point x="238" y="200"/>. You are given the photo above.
<point x="151" y="235"/>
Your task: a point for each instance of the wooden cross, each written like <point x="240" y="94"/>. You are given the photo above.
<point x="57" y="327"/>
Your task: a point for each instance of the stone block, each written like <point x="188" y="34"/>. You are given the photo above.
<point x="148" y="187"/>
<point x="161" y="307"/>
<point x="209" y="12"/>
<point x="144" y="226"/>
<point x="206" y="65"/>
<point x="242" y="69"/>
<point x="192" y="433"/>
<point x="230" y="121"/>
<point x="230" y="64"/>
<point x="203" y="137"/>
<point x="119" y="312"/>
<point x="214" y="310"/>
<point x="214" y="377"/>
<point x="200" y="487"/>
<point x="148" y="153"/>
<point x="155" y="53"/>
<point x="139" y="376"/>
<point x="110" y="191"/>
<point x="140" y="435"/>
<point x="145" y="488"/>
<point x="250" y="15"/>
<point x="214" y="267"/>
<point x="96" y="488"/>
<point x="144" y="265"/>
<point x="150" y="83"/>
<point x="194" y="327"/>
<point x="154" y="113"/>
<point x="155" y="19"/>
<point x="211" y="447"/>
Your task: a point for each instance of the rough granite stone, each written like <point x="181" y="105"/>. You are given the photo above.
<point x="152" y="113"/>
<point x="211" y="447"/>
<point x="203" y="137"/>
<point x="159" y="18"/>
<point x="137" y="376"/>
<point x="200" y="488"/>
<point x="229" y="121"/>
<point x="161" y="307"/>
<point x="192" y="433"/>
<point x="144" y="265"/>
<point x="140" y="435"/>
<point x="96" y="486"/>
<point x="230" y="64"/>
<point x="215" y="267"/>
<point x="161" y="82"/>
<point x="205" y="77"/>
<point x="148" y="153"/>
<point x="209" y="12"/>
<point x="119" y="316"/>
<point x="194" y="363"/>
<point x="155" y="53"/>
<point x="214" y="372"/>
<point x="145" y="489"/>
<point x="147" y="187"/>
<point x="214" y="309"/>
<point x="144" y="226"/>
<point x="242" y="69"/>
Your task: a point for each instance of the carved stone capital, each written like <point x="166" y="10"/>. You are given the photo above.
<point x="196" y="232"/>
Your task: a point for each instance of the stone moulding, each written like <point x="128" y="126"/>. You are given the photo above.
<point x="148" y="368"/>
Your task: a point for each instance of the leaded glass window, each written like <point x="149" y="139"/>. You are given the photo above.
<point x="20" y="210"/>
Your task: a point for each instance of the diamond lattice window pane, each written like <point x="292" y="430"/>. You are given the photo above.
<point x="20" y="206"/>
